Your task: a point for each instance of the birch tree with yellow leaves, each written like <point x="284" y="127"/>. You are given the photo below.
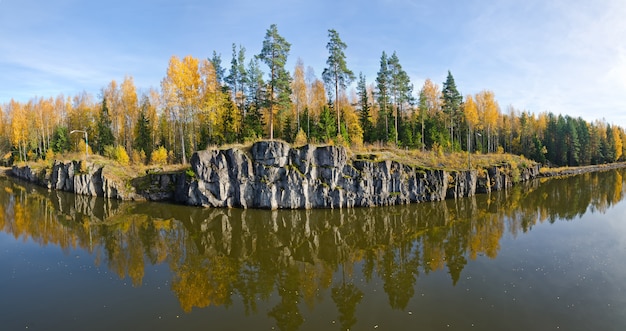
<point x="299" y="92"/>
<point x="18" y="127"/>
<point x="181" y="93"/>
<point x="488" y="112"/>
<point x="429" y="105"/>
<point x="130" y="111"/>
<point x="471" y="118"/>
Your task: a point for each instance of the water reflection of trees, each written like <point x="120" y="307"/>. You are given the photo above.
<point x="215" y="254"/>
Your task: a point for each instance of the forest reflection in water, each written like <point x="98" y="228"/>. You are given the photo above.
<point x="217" y="255"/>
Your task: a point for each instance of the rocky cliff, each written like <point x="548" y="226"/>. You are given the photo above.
<point x="273" y="175"/>
<point x="75" y="177"/>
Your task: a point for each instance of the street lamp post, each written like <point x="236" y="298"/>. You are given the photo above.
<point x="86" y="142"/>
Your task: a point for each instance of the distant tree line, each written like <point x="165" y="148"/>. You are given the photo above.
<point x="201" y="103"/>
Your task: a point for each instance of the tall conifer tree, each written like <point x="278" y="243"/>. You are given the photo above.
<point x="274" y="55"/>
<point x="382" y="94"/>
<point x="337" y="75"/>
<point x="105" y="135"/>
<point x="364" y="114"/>
<point x="451" y="102"/>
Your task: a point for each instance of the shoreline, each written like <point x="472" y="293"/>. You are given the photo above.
<point x="573" y="171"/>
<point x="273" y="175"/>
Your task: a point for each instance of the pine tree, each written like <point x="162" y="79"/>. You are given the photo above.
<point x="104" y="134"/>
<point x="382" y="96"/>
<point x="400" y="87"/>
<point x="274" y="54"/>
<point x="336" y="75"/>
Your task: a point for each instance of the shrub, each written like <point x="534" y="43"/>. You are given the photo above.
<point x="117" y="153"/>
<point x="301" y="138"/>
<point x="31" y="156"/>
<point x="121" y="156"/>
<point x="138" y="157"/>
<point x="159" y="156"/>
<point x="49" y="155"/>
<point x="340" y="140"/>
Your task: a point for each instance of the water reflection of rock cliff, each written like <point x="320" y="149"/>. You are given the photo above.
<point x="217" y="253"/>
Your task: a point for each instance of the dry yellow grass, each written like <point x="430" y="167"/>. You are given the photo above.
<point x="435" y="160"/>
<point x="414" y="158"/>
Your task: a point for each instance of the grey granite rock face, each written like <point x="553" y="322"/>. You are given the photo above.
<point x="68" y="177"/>
<point x="274" y="175"/>
<point x="277" y="176"/>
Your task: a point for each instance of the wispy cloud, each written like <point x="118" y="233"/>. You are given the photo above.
<point x="562" y="56"/>
<point x="565" y="57"/>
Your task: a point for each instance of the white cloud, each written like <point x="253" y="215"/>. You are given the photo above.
<point x="564" y="57"/>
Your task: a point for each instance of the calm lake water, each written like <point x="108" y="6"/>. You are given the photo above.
<point x="543" y="256"/>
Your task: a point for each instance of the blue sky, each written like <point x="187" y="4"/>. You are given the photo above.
<point x="566" y="57"/>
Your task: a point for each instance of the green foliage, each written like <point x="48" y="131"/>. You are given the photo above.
<point x="229" y="133"/>
<point x="143" y="131"/>
<point x="104" y="134"/>
<point x="60" y="140"/>
<point x="401" y="89"/>
<point x="383" y="98"/>
<point x="451" y="103"/>
<point x="288" y="130"/>
<point x="274" y="54"/>
<point x="364" y="114"/>
<point x="252" y="125"/>
<point x="326" y="128"/>
<point x="337" y="75"/>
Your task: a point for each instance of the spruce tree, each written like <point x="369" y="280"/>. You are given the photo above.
<point x="326" y="127"/>
<point x="236" y="78"/>
<point x="451" y="103"/>
<point x="60" y="140"/>
<point x="216" y="61"/>
<point x="142" y="135"/>
<point x="104" y="133"/>
<point x="364" y="114"/>
<point x="143" y="130"/>
<point x="254" y="90"/>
